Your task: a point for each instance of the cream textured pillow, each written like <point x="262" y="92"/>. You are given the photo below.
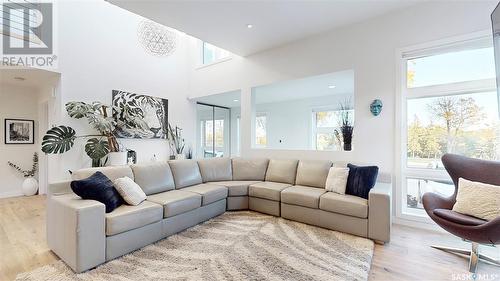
<point x="129" y="190"/>
<point x="478" y="199"/>
<point x="337" y="179"/>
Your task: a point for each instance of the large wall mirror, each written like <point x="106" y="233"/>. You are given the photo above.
<point x="303" y="114"/>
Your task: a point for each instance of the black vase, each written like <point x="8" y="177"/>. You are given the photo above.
<point x="347" y="146"/>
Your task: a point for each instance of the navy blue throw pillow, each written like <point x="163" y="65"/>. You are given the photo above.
<point x="100" y="188"/>
<point x="361" y="180"/>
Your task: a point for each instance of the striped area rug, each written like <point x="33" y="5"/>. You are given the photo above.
<point x="235" y="246"/>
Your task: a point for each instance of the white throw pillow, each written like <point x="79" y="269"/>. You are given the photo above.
<point x="478" y="199"/>
<point x="129" y="190"/>
<point x="337" y="179"/>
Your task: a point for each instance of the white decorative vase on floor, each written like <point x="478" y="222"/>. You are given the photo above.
<point x="117" y="159"/>
<point x="30" y="186"/>
<point x="180" y="156"/>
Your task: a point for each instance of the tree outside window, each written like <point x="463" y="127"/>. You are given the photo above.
<point x="452" y="124"/>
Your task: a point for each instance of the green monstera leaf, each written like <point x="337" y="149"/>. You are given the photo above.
<point x="97" y="148"/>
<point x="58" y="140"/>
<point x="105" y="125"/>
<point x="77" y="109"/>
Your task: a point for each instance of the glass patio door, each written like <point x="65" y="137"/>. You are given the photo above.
<point x="214" y="131"/>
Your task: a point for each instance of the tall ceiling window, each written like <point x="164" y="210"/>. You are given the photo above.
<point x="449" y="105"/>
<point x="212" y="54"/>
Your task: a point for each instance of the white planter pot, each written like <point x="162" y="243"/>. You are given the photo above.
<point x="117" y="159"/>
<point x="30" y="186"/>
<point x="180" y="156"/>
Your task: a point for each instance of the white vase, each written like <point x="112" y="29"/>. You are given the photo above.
<point x="180" y="156"/>
<point x="30" y="186"/>
<point x="117" y="159"/>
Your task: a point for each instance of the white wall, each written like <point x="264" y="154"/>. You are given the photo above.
<point x="369" y="49"/>
<point x="99" y="51"/>
<point x="235" y="138"/>
<point x="16" y="103"/>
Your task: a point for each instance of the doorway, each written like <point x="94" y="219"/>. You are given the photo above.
<point x="29" y="95"/>
<point x="214" y="129"/>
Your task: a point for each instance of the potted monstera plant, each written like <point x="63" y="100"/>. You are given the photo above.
<point x="61" y="139"/>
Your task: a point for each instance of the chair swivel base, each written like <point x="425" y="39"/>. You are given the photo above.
<point x="474" y="254"/>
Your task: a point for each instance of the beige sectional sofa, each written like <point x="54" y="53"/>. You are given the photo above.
<point x="183" y="193"/>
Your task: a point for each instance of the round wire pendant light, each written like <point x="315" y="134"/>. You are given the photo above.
<point x="158" y="40"/>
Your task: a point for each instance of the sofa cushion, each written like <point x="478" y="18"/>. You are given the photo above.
<point x="176" y="202"/>
<point x="129" y="190"/>
<point x="313" y="173"/>
<point x="305" y="196"/>
<point x="477" y="199"/>
<point x="126" y="217"/>
<point x="186" y="173"/>
<point x="337" y="179"/>
<point x="360" y="180"/>
<point x="235" y="188"/>
<point x="111" y="172"/>
<point x="215" y="169"/>
<point x="267" y="190"/>
<point x="283" y="171"/>
<point x="249" y="169"/>
<point x="210" y="193"/>
<point x="344" y="204"/>
<point x="153" y="178"/>
<point x="100" y="188"/>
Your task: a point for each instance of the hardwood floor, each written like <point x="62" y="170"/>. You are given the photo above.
<point x="407" y="257"/>
<point x="22" y="236"/>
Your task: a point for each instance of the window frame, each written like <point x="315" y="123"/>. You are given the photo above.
<point x="403" y="94"/>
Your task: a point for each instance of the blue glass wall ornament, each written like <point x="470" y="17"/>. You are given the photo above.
<point x="376" y="107"/>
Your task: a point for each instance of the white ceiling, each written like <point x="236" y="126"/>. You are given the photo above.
<point x="275" y="22"/>
<point x="33" y="78"/>
<point x="315" y="86"/>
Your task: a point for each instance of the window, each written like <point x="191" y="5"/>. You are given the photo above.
<point x="261" y="130"/>
<point x="324" y="125"/>
<point x="465" y="124"/>
<point x="418" y="187"/>
<point x="212" y="53"/>
<point x="451" y="67"/>
<point x="449" y="106"/>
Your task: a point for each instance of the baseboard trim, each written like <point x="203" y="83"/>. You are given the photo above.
<point x="417" y="224"/>
<point x="11" y="194"/>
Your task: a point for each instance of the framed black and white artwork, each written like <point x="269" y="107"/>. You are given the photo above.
<point x="19" y="131"/>
<point x="140" y="116"/>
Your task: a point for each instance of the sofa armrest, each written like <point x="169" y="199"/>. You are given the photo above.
<point x="59" y="188"/>
<point x="76" y="231"/>
<point x="379" y="212"/>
